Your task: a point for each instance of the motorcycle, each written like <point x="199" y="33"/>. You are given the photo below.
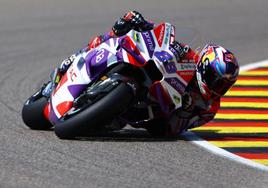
<point x="120" y="82"/>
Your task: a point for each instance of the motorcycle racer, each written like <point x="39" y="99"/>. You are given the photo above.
<point x="217" y="70"/>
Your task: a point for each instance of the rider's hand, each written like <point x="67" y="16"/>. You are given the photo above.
<point x="135" y="19"/>
<point x="179" y="49"/>
<point x="131" y="20"/>
<point x="121" y="27"/>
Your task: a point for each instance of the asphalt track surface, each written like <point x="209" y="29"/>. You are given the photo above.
<point x="36" y="35"/>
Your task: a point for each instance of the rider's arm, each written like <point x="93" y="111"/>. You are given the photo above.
<point x="177" y="125"/>
<point x="183" y="52"/>
<point x="131" y="20"/>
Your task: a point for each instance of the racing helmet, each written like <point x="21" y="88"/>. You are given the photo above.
<point x="217" y="70"/>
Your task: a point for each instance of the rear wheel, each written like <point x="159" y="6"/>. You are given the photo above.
<point x="96" y="115"/>
<point x="32" y="113"/>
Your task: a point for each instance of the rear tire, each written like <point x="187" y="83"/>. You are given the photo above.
<point x="97" y="115"/>
<point x="33" y="116"/>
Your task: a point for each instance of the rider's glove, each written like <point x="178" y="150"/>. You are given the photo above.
<point x="131" y="20"/>
<point x="179" y="49"/>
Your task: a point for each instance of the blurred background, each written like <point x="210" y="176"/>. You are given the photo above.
<point x="240" y="25"/>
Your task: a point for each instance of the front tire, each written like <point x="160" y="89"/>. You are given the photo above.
<point x="96" y="115"/>
<point x="33" y="116"/>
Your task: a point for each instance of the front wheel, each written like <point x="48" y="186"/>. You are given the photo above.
<point x="32" y="113"/>
<point x="97" y="115"/>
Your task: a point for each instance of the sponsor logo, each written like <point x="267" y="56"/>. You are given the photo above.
<point x="172" y="31"/>
<point x="167" y="34"/>
<point x="177" y="99"/>
<point x="188" y="61"/>
<point x="172" y="34"/>
<point x="186" y="73"/>
<point x="161" y="36"/>
<point x="136" y="37"/>
<point x="186" y="66"/>
<point x="176" y="84"/>
<point x="159" y="33"/>
<point x="149" y="42"/>
<point x="170" y="67"/>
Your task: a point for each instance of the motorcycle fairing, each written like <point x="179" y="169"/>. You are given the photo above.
<point x="135" y="48"/>
<point x="74" y="81"/>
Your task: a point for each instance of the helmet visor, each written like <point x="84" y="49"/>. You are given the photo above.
<point x="215" y="83"/>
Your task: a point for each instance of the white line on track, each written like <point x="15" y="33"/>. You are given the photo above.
<point x="254" y="65"/>
<point x="216" y="150"/>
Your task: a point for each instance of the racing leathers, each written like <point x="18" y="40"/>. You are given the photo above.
<point x="197" y="109"/>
